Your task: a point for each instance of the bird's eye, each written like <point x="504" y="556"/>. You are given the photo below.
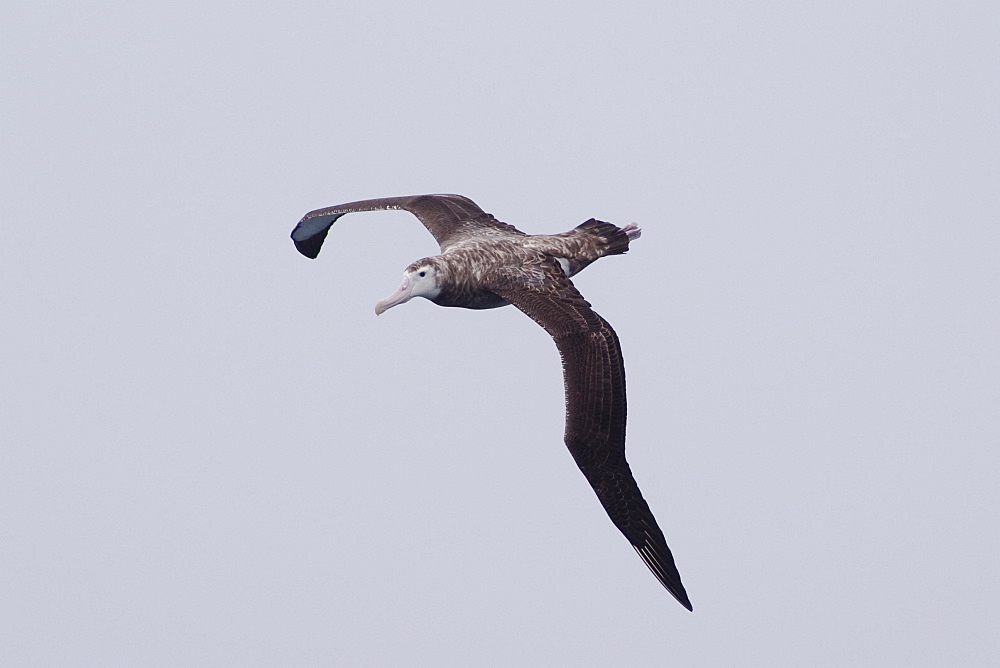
<point x="422" y="274"/>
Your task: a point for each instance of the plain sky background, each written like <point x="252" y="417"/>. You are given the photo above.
<point x="213" y="452"/>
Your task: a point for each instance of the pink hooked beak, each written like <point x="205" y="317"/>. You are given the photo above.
<point x="400" y="296"/>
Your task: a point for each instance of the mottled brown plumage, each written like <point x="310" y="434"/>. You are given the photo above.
<point x="485" y="263"/>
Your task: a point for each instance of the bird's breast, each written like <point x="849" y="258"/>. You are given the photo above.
<point x="474" y="299"/>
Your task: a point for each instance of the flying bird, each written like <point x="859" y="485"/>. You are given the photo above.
<point x="485" y="263"/>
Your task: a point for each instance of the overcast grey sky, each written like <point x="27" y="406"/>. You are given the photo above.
<point x="213" y="453"/>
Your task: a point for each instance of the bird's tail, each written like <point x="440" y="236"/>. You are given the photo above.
<point x="616" y="238"/>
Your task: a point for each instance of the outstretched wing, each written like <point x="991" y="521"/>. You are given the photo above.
<point x="449" y="218"/>
<point x="594" y="376"/>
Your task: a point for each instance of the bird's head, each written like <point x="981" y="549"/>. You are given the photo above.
<point x="421" y="279"/>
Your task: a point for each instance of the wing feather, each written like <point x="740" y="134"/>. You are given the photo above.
<point x="449" y="218"/>
<point x="594" y="377"/>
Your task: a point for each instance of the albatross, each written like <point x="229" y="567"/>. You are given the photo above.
<point x="485" y="263"/>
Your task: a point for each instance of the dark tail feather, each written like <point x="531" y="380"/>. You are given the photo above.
<point x="615" y="237"/>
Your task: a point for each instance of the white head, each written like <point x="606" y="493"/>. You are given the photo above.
<point x="419" y="280"/>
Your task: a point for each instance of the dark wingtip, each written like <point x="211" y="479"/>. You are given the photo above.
<point x="655" y="553"/>
<point x="681" y="597"/>
<point x="311" y="232"/>
<point x="679" y="594"/>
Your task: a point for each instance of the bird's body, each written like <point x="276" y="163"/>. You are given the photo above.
<point x="485" y="263"/>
